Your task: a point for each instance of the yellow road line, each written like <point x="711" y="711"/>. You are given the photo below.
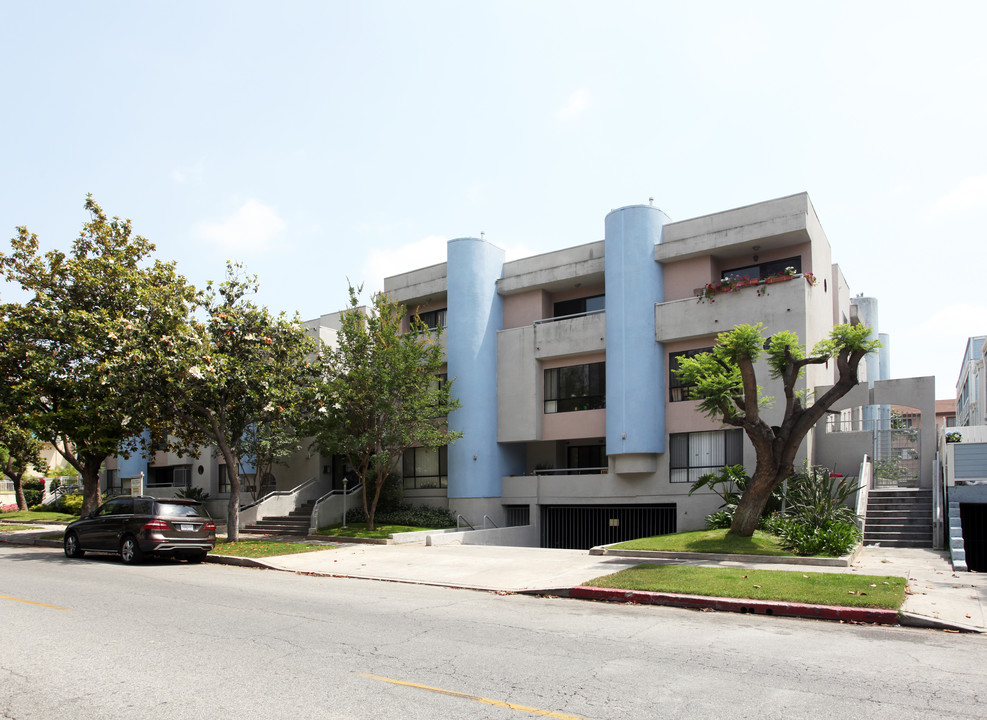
<point x="31" y="602"/>
<point x="477" y="698"/>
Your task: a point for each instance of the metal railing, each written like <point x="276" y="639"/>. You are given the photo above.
<point x="485" y="519"/>
<point x="567" y="317"/>
<point x="345" y="492"/>
<point x="573" y="471"/>
<point x="467" y="522"/>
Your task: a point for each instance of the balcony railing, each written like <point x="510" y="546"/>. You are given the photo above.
<point x="573" y="471"/>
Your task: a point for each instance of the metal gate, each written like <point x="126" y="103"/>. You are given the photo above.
<point x="897" y="451"/>
<point x="580" y="527"/>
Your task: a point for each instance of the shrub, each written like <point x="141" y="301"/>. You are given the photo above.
<point x="193" y="493"/>
<point x="719" y="520"/>
<point x="70" y="503"/>
<point x="8" y="508"/>
<point x="33" y="492"/>
<point x="834" y="538"/>
<point x="417" y="516"/>
<point x="816" y="499"/>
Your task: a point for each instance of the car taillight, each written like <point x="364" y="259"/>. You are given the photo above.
<point x="155" y="525"/>
<point x="210" y="527"/>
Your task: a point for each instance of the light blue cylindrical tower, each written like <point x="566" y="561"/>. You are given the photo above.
<point x="474" y="314"/>
<point x="874" y="416"/>
<point x="635" y="361"/>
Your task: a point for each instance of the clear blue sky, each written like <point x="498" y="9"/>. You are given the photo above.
<point x="320" y="141"/>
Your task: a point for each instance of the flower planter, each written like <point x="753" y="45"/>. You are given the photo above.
<point x="778" y="279"/>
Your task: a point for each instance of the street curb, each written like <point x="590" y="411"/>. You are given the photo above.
<point x="931" y="623"/>
<point x="238" y="561"/>
<point x="843" y="561"/>
<point x="757" y="607"/>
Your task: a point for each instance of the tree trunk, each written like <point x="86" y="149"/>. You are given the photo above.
<point x="90" y="486"/>
<point x="233" y="506"/>
<point x="752" y="503"/>
<point x="19" y="492"/>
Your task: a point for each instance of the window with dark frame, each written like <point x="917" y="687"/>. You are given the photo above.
<point x="764" y="270"/>
<point x="576" y="387"/>
<point x="692" y="455"/>
<point x="433" y="318"/>
<point x="586" y="457"/>
<point x="425" y="468"/>
<point x="580" y="306"/>
<point x="678" y="390"/>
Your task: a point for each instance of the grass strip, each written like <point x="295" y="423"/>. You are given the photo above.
<point x="14" y="528"/>
<point x="263" y="548"/>
<point x="359" y="530"/>
<point x="710" y="541"/>
<point x="37" y="516"/>
<point x="814" y="588"/>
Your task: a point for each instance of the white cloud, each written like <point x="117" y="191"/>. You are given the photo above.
<point x="575" y="106"/>
<point x="382" y="263"/>
<point x="253" y="227"/>
<point x="971" y="194"/>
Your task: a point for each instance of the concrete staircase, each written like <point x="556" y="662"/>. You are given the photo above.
<point x="296" y="523"/>
<point x="899" y="518"/>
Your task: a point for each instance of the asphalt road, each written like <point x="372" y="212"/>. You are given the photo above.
<point x="93" y="638"/>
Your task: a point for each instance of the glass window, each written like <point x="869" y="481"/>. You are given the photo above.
<point x="433" y="318"/>
<point x="580" y="306"/>
<point x="692" y="455"/>
<point x="763" y="270"/>
<point x="179" y="510"/>
<point x="586" y="457"/>
<point x="678" y="390"/>
<point x="577" y="387"/>
<point x="424" y="468"/>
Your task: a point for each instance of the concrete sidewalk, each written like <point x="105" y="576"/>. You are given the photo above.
<point x="938" y="596"/>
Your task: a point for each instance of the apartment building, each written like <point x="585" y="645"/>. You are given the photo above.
<point x="971" y="387"/>
<point x="574" y="425"/>
<point x="572" y="418"/>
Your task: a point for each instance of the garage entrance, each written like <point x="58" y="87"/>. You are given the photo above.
<point x="580" y="527"/>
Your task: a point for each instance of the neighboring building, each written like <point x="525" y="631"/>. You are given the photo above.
<point x="971" y="388"/>
<point x="945" y="413"/>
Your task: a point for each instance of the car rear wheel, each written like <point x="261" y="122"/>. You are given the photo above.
<point x="72" y="548"/>
<point x="130" y="551"/>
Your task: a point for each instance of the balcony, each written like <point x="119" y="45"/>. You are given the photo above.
<point x="571" y="335"/>
<point x="779" y="305"/>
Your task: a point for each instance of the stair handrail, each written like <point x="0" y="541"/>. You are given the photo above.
<point x="487" y="517"/>
<point x="460" y="517"/>
<point x="314" y="522"/>
<point x="863" y="493"/>
<point x="280" y="493"/>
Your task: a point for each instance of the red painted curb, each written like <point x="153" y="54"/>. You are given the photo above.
<point x="759" y="607"/>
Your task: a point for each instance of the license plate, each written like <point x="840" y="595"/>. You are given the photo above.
<point x="186" y="527"/>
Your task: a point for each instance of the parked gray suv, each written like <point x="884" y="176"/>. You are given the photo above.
<point x="136" y="527"/>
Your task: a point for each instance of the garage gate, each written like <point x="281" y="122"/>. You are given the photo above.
<point x="580" y="527"/>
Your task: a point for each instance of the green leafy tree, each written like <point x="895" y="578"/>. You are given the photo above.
<point x="20" y="449"/>
<point x="380" y="393"/>
<point x="239" y="367"/>
<point x="272" y="439"/>
<point x="77" y="354"/>
<point x="725" y="384"/>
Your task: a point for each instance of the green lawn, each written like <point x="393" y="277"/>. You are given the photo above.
<point x="359" y="530"/>
<point x="264" y="548"/>
<point x="13" y="528"/>
<point x="710" y="541"/>
<point x="38" y="516"/>
<point x="781" y="585"/>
